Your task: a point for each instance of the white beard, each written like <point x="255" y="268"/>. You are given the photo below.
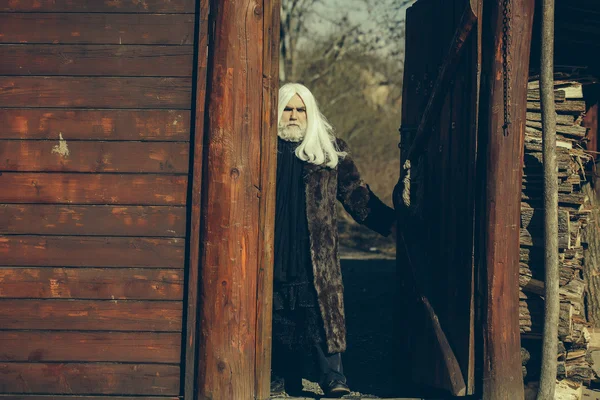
<point x="291" y="133"/>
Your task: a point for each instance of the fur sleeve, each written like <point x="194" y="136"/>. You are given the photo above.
<point x="356" y="197"/>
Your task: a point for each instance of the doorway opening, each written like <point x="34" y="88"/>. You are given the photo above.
<point x="350" y="55"/>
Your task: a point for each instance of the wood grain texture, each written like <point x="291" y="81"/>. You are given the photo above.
<point x="81" y="251"/>
<point x="103" y="6"/>
<point x="503" y="157"/>
<point x="96" y="92"/>
<point x="74" y="378"/>
<point x="41" y="219"/>
<point x="162" y="125"/>
<point x="194" y="221"/>
<point x="267" y="198"/>
<point x="91" y="315"/>
<point x="230" y="208"/>
<point x="138" y="347"/>
<point x="591" y="273"/>
<point x="66" y="28"/>
<point x="91" y="283"/>
<point x="97" y="60"/>
<point x="72" y="397"/>
<point x="65" y="188"/>
<point x="434" y="260"/>
<point x="91" y="156"/>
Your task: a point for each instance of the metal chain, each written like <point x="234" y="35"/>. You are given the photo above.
<point x="506" y="39"/>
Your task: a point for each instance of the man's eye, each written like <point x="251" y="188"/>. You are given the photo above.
<point x="301" y="110"/>
<point x="287" y="109"/>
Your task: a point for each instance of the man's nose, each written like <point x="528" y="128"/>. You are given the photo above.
<point x="294" y="114"/>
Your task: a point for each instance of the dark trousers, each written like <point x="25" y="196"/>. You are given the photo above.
<point x="316" y="364"/>
<point x="330" y="366"/>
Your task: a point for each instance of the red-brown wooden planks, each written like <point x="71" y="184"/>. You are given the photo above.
<point x="101" y="60"/>
<point x="91" y="283"/>
<point x="74" y="188"/>
<point x="96" y="92"/>
<point x="74" y="378"/>
<point x="105" y="6"/>
<point x="70" y="397"/>
<point x="122" y="29"/>
<point x="138" y="347"/>
<point x="117" y="315"/>
<point x="44" y="219"/>
<point x="76" y="397"/>
<point x="162" y="125"/>
<point x="91" y="156"/>
<point x="94" y="96"/>
<point x="81" y="251"/>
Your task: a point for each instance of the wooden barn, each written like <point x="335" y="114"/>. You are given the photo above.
<point x="137" y="144"/>
<point x="104" y="142"/>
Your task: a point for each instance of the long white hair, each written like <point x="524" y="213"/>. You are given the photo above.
<point x="318" y="145"/>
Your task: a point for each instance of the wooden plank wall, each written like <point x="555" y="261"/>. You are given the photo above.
<point x="95" y="100"/>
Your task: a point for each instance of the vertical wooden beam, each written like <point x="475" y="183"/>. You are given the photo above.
<point x="232" y="192"/>
<point x="472" y="385"/>
<point x="502" y="377"/>
<point x="551" y="268"/>
<point x="194" y="198"/>
<point x="267" y="199"/>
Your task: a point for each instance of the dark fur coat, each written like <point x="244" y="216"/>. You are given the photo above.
<point x="323" y="186"/>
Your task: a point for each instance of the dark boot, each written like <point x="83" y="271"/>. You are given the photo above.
<point x="277" y="385"/>
<point x="332" y="379"/>
<point x="286" y="375"/>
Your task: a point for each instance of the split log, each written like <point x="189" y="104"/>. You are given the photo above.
<point x="567" y="107"/>
<point x="574" y="216"/>
<point x="561" y="119"/>
<point x="534" y="94"/>
<point x="526" y="239"/>
<point x="575" y="131"/>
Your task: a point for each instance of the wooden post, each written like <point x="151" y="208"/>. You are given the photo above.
<point x="237" y="201"/>
<point x="198" y="102"/>
<point x="502" y="377"/>
<point x="552" y="275"/>
<point x="267" y="199"/>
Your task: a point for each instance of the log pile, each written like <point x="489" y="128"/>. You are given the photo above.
<point x="574" y="214"/>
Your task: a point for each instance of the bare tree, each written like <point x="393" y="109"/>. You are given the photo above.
<point x="354" y="66"/>
<point x="294" y="17"/>
<point x="380" y="31"/>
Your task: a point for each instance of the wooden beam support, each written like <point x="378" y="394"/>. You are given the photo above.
<point x="502" y="155"/>
<point x="267" y="198"/>
<point x="238" y="200"/>
<point x="194" y="198"/>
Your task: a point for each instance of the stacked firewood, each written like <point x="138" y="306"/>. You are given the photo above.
<point x="573" y="215"/>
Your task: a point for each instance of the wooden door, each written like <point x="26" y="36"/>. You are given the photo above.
<point x="439" y="224"/>
<point x="95" y="185"/>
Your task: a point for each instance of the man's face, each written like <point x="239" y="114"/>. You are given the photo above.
<point x="294" y="115"/>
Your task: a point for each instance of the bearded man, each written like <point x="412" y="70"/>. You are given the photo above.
<point x="313" y="170"/>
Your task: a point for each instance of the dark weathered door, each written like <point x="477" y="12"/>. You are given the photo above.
<point x="95" y="146"/>
<point x="439" y="224"/>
